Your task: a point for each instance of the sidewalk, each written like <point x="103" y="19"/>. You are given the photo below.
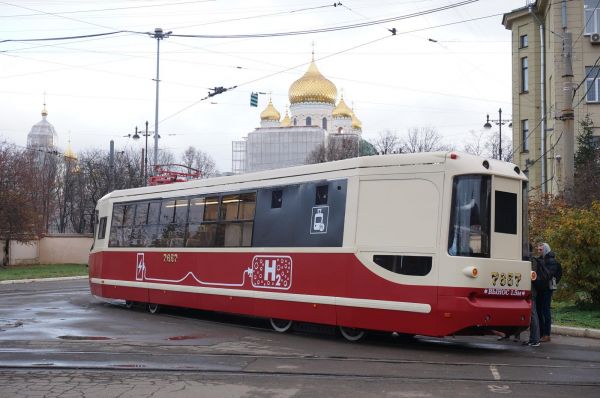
<point x="62" y="278"/>
<point x="556" y="329"/>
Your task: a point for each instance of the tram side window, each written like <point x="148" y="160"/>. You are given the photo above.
<point x="115" y="225"/>
<point x="173" y="218"/>
<point x="152" y="224"/>
<point x="276" y="198"/>
<point x="321" y="196"/>
<point x="505" y="213"/>
<point x="102" y="228"/>
<point x="236" y="222"/>
<point x="405" y="265"/>
<point x="470" y="224"/>
<point x="202" y="227"/>
<point x="139" y="223"/>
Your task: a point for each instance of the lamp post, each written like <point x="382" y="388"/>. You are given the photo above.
<point x="499" y="122"/>
<point x="158" y="35"/>
<point x="136" y="136"/>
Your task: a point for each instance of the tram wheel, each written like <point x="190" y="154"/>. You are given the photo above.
<point x="129" y="304"/>
<point x="153" y="308"/>
<point x="352" y="334"/>
<point x="281" y="325"/>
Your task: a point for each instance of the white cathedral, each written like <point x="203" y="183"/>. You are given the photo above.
<point x="315" y="119"/>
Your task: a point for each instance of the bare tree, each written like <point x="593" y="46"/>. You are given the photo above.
<point x="475" y="146"/>
<point x="20" y="217"/>
<point x="423" y="139"/>
<point x="199" y="160"/>
<point x="387" y="142"/>
<point x="486" y="143"/>
<point x="339" y="146"/>
<point x="492" y="143"/>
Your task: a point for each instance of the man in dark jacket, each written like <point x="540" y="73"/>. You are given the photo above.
<point x="534" y="325"/>
<point x="549" y="273"/>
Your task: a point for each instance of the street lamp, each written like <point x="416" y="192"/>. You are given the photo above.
<point x="499" y="122"/>
<point x="158" y="35"/>
<point x="136" y="136"/>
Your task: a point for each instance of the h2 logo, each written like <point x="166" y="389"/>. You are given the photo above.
<point x="272" y="272"/>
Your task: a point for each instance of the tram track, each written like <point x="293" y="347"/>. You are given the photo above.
<point x="314" y="375"/>
<point x="302" y="357"/>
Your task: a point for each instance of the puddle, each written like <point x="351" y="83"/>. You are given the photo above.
<point x="84" y="338"/>
<point x="6" y="323"/>
<point x="177" y="338"/>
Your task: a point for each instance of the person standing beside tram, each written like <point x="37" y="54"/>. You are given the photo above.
<point x="534" y="325"/>
<point x="549" y="272"/>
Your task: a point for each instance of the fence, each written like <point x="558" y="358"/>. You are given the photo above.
<point x="51" y="249"/>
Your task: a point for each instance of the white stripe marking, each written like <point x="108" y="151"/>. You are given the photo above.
<point x="495" y="372"/>
<point x="300" y="298"/>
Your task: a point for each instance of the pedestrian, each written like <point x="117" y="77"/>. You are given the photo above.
<point x="534" y="324"/>
<point x="549" y="272"/>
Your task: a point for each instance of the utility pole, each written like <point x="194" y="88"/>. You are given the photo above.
<point x="158" y="35"/>
<point x="568" y="114"/>
<point x="111" y="166"/>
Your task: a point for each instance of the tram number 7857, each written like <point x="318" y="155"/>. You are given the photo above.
<point x="506" y="279"/>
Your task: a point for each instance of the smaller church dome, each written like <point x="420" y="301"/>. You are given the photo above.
<point x="286" y="122"/>
<point x="342" y="110"/>
<point x="69" y="153"/>
<point x="270" y="113"/>
<point x="356" y="123"/>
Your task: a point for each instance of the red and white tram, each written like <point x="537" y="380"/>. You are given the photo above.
<point x="428" y="244"/>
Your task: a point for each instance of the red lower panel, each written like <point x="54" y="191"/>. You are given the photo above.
<point x="320" y="275"/>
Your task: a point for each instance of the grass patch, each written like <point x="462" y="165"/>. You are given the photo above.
<point x="566" y="313"/>
<point x="14" y="272"/>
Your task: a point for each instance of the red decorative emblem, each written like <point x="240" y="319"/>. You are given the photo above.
<point x="272" y="272"/>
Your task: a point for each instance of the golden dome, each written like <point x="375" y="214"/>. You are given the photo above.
<point x="312" y="87"/>
<point x="342" y="110"/>
<point x="69" y="154"/>
<point x="356" y="124"/>
<point x="270" y="113"/>
<point x="286" y="122"/>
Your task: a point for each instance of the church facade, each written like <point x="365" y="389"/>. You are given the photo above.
<point x="315" y="118"/>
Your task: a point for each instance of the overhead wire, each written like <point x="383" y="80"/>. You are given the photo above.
<point x="106" y="9"/>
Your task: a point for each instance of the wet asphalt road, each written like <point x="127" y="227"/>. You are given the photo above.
<point x="56" y="340"/>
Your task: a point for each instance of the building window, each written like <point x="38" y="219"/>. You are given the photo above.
<point x="524" y="75"/>
<point x="592" y="16"/>
<point x="525" y="134"/>
<point x="308" y="121"/>
<point x="324" y="124"/>
<point x="295" y="122"/>
<point x="523" y="41"/>
<point x="591" y="83"/>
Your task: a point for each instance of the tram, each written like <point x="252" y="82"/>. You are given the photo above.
<point x="429" y="244"/>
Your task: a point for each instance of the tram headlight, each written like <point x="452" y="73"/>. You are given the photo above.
<point x="471" y="271"/>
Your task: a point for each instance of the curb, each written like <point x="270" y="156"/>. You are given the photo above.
<point x="62" y="278"/>
<point x="576" y="332"/>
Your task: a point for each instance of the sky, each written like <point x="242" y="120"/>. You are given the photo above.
<point x="447" y="67"/>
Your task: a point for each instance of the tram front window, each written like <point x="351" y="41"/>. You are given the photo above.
<point x="470" y="216"/>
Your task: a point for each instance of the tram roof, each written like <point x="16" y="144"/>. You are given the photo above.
<point x="465" y="162"/>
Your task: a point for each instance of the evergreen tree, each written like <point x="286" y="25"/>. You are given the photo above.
<point x="586" y="188"/>
<point x="586" y="150"/>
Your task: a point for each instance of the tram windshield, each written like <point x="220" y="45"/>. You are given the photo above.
<point x="470" y="216"/>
